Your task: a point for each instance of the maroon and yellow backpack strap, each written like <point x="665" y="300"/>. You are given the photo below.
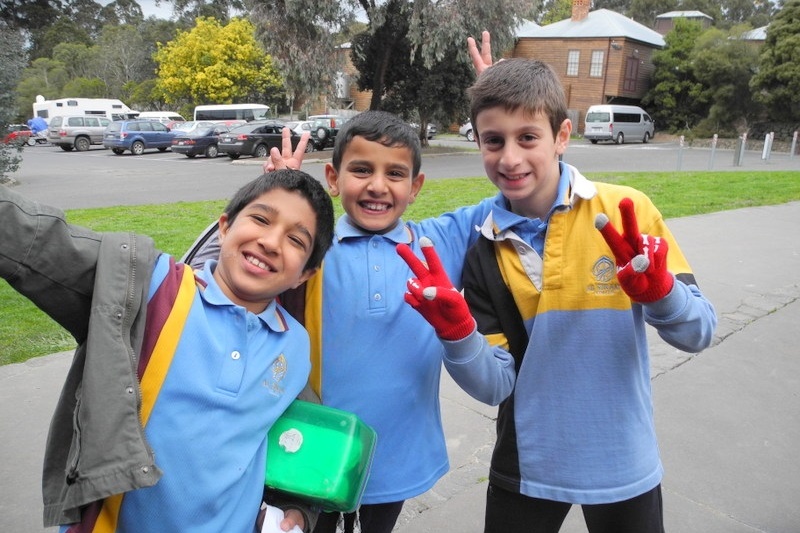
<point x="304" y="303"/>
<point x="167" y="312"/>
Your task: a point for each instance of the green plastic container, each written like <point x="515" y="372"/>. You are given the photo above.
<point x="320" y="454"/>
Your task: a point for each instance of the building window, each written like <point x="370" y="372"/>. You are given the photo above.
<point x="631" y="74"/>
<point x="596" y="68"/>
<point x="573" y="58"/>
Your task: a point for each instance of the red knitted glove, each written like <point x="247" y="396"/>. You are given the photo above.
<point x="641" y="259"/>
<point x="432" y="294"/>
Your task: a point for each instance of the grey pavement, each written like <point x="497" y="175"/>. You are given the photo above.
<point x="728" y="419"/>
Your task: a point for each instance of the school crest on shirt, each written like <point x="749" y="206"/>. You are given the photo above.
<point x="604" y="275"/>
<point x="275" y="382"/>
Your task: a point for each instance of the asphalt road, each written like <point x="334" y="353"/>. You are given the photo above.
<point x="98" y="178"/>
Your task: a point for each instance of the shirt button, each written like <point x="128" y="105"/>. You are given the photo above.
<point x="521" y="250"/>
<point x="377" y="297"/>
<point x="377" y="268"/>
<point x="235" y="355"/>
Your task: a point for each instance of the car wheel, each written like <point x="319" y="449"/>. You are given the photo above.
<point x="233" y="156"/>
<point x="118" y="151"/>
<point x="322" y="133"/>
<point x="646" y="138"/>
<point x="82" y="144"/>
<point x="137" y="148"/>
<point x="310" y="147"/>
<point x="470" y="136"/>
<point x="260" y="151"/>
<point x="593" y="141"/>
<point x="620" y="138"/>
<point x="66" y="147"/>
<point x="30" y="141"/>
<point x="211" y="151"/>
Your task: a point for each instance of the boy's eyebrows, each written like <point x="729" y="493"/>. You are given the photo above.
<point x="269" y="210"/>
<point x="372" y="163"/>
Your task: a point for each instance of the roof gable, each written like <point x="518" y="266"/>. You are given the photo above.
<point x="601" y="23"/>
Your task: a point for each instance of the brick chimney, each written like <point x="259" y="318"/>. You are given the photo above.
<point x="580" y="9"/>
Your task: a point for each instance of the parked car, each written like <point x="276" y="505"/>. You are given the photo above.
<point x="202" y="140"/>
<point x="255" y="138"/>
<point x="19" y="134"/>
<point x="137" y="136"/>
<point x="327" y="126"/>
<point x="165" y="117"/>
<point x="79" y="132"/>
<point x="302" y="126"/>
<point x="432" y="129"/>
<point x="466" y="131"/>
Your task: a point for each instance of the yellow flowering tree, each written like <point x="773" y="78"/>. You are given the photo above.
<point x="216" y="64"/>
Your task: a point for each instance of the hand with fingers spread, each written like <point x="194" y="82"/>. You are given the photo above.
<point x="284" y="158"/>
<point x="641" y="259"/>
<point x="481" y="59"/>
<point x="432" y="294"/>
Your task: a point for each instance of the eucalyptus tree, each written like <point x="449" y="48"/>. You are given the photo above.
<point x="777" y="83"/>
<point x="303" y="35"/>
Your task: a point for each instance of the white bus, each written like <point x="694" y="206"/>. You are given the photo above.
<point x="246" y="112"/>
<point x="104" y="107"/>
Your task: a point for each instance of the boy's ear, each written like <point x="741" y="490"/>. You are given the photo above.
<point x="305" y="276"/>
<point x="562" y="139"/>
<point x="416" y="186"/>
<point x="223" y="226"/>
<point x="332" y="177"/>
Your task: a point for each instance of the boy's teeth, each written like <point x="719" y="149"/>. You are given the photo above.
<point x="257" y="263"/>
<point x="376" y="207"/>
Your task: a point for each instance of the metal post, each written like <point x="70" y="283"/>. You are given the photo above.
<point x="741" y="148"/>
<point x="713" y="151"/>
<point x="680" y="153"/>
<point x="794" y="145"/>
<point x="767" y="145"/>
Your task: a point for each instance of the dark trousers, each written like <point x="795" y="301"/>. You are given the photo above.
<point x="510" y="512"/>
<point x="377" y="518"/>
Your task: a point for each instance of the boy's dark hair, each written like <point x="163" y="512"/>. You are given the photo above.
<point x="517" y="83"/>
<point x="293" y="181"/>
<point x="382" y="127"/>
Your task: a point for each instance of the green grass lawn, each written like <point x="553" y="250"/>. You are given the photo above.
<point x="26" y="332"/>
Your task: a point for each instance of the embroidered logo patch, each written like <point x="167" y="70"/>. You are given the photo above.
<point x="603" y="272"/>
<point x="278" y="373"/>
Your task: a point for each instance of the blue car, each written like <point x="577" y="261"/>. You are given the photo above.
<point x="137" y="136"/>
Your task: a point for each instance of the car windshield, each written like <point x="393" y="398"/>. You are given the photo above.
<point x="246" y="128"/>
<point x="598" y="116"/>
<point x="202" y="131"/>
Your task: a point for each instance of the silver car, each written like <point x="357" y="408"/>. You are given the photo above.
<point x="79" y="132"/>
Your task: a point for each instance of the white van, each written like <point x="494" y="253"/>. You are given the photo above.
<point x="618" y="123"/>
<point x="165" y="117"/>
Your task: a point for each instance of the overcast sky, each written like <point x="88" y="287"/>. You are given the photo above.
<point x="163" y="11"/>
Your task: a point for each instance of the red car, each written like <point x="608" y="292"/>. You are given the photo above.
<point x="19" y="133"/>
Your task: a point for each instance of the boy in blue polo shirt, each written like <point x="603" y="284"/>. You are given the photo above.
<point x="163" y="421"/>
<point x="371" y="354"/>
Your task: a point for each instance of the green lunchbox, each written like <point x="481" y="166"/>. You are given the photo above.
<point x="320" y="454"/>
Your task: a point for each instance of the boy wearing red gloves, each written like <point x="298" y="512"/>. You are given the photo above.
<point x="570" y="304"/>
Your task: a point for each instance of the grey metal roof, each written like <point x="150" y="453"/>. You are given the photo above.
<point x="758" y="34"/>
<point x="601" y="23"/>
<point x="526" y="28"/>
<point x="684" y="14"/>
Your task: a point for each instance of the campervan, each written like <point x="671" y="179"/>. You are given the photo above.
<point x="110" y="108"/>
<point x="618" y="123"/>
